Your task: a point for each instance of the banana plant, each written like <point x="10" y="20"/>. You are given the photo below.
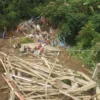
<point x="92" y="4"/>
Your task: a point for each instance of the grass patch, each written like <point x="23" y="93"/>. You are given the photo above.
<point x="26" y="40"/>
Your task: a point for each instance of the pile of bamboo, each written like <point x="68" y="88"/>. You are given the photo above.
<point x="41" y="78"/>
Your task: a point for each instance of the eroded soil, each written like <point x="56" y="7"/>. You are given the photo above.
<point x="6" y="46"/>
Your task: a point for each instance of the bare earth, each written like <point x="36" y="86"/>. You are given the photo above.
<point x="6" y="45"/>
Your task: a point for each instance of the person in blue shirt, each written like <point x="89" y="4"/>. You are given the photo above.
<point x="61" y="41"/>
<point x="61" y="44"/>
<point x="4" y="32"/>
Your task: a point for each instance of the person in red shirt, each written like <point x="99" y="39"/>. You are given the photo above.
<point x="19" y="29"/>
<point x="47" y="41"/>
<point x="39" y="46"/>
<point x="42" y="50"/>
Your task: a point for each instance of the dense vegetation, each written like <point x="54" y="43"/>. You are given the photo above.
<point x="77" y="21"/>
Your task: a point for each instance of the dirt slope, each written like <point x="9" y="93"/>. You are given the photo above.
<point x="65" y="60"/>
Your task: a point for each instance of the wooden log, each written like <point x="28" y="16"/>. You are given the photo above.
<point x="85" y="96"/>
<point x="46" y="62"/>
<point x="8" y="67"/>
<point x="22" y="78"/>
<point x="50" y="94"/>
<point x="30" y="69"/>
<point x="40" y="96"/>
<point x="29" y="94"/>
<point x="84" y="88"/>
<point x="17" y="64"/>
<point x="49" y="78"/>
<point x="8" y="61"/>
<point x="34" y="87"/>
<point x="98" y="91"/>
<point x="74" y="84"/>
<point x="34" y="81"/>
<point x="12" y="88"/>
<point x="9" y="77"/>
<point x="12" y="95"/>
<point x="23" y="83"/>
<point x="63" y="78"/>
<point x="38" y="72"/>
<point x="43" y="69"/>
<point x="70" y="74"/>
<point x="81" y="81"/>
<point x="58" y="65"/>
<point x="69" y="95"/>
<point x="24" y="71"/>
<point x="41" y="90"/>
<point x="3" y="53"/>
<point x="85" y="76"/>
<point x="8" y="64"/>
<point x="97" y="70"/>
<point x="44" y="74"/>
<point x="39" y="69"/>
<point x="30" y="81"/>
<point x="74" y="87"/>
<point x="3" y="65"/>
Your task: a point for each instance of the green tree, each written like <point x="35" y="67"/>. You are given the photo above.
<point x="86" y="36"/>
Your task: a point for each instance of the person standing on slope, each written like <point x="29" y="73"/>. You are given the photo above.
<point x="4" y="32"/>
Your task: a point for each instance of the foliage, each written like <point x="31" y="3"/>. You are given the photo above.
<point x="86" y="36"/>
<point x="93" y="5"/>
<point x="95" y="19"/>
<point x="64" y="16"/>
<point x="89" y="56"/>
<point x="26" y="40"/>
<point x="88" y="45"/>
<point x="14" y="11"/>
<point x="96" y="48"/>
<point x="76" y="21"/>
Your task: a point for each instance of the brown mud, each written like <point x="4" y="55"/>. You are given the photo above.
<point x="6" y="45"/>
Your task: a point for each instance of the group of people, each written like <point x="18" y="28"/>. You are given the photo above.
<point x="38" y="50"/>
<point x="33" y="30"/>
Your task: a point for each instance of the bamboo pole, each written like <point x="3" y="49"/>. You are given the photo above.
<point x="97" y="70"/>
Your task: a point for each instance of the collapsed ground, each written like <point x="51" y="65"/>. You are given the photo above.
<point x="64" y="58"/>
<point x="6" y="46"/>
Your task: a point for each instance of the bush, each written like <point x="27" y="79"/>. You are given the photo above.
<point x="86" y="36"/>
<point x="95" y="19"/>
<point x="88" y="45"/>
<point x="90" y="56"/>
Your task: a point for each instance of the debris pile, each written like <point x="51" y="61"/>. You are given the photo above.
<point x="33" y="29"/>
<point x="38" y="49"/>
<point x="42" y="39"/>
<point x="44" y="78"/>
